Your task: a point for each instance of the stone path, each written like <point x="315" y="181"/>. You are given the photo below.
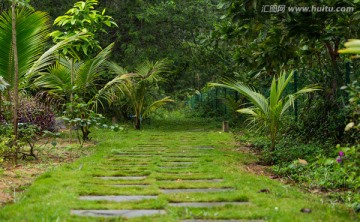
<point x="165" y="179"/>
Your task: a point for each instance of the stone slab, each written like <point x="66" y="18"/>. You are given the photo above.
<point x="195" y="181"/>
<point x="176" y="172"/>
<point x="142" y="155"/>
<point x="205" y="147"/>
<point x="174" y="167"/>
<point x="197" y="190"/>
<point x="189" y="157"/>
<point x="155" y="145"/>
<point x="117" y="198"/>
<point x="129" y="185"/>
<point x="180" y="162"/>
<point x="129" y="165"/>
<point x="117" y="213"/>
<point x="222" y="220"/>
<point x="205" y="204"/>
<point x="123" y="178"/>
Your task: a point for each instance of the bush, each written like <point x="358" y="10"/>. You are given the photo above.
<point x="340" y="171"/>
<point x="35" y="113"/>
<point x="287" y="152"/>
<point x="353" y="108"/>
<point x="79" y="116"/>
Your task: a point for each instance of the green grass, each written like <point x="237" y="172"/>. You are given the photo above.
<point x="55" y="193"/>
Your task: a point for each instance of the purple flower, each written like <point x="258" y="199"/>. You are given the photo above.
<point x="338" y="159"/>
<point x="341" y="153"/>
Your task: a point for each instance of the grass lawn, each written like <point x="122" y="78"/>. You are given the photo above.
<point x="168" y="156"/>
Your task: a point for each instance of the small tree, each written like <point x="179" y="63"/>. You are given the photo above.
<point x="82" y="18"/>
<point x="137" y="87"/>
<point x="267" y="112"/>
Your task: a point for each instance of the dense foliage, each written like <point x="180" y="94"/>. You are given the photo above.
<point x="123" y="59"/>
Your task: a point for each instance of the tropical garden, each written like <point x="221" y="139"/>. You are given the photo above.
<point x="146" y="84"/>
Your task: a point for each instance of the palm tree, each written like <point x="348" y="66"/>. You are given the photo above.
<point x="24" y="31"/>
<point x="137" y="87"/>
<point x="67" y="77"/>
<point x="16" y="73"/>
<point x="267" y="112"/>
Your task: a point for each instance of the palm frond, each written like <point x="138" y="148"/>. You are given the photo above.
<point x="110" y="91"/>
<point x="49" y="56"/>
<point x="150" y="71"/>
<point x="156" y="105"/>
<point x="32" y="29"/>
<point x="57" y="80"/>
<point x="282" y="83"/>
<point x="89" y="72"/>
<point x="116" y="69"/>
<point x="256" y="98"/>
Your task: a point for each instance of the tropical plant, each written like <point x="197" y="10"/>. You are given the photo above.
<point x="267" y="112"/>
<point x="82" y="18"/>
<point x="67" y="77"/>
<point x="24" y="31"/>
<point x="139" y="87"/>
<point x="80" y="116"/>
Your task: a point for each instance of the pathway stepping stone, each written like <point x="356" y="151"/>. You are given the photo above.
<point x="117" y="198"/>
<point x="205" y="204"/>
<point x="205" y="147"/>
<point x="174" y="167"/>
<point x="155" y="145"/>
<point x="197" y="190"/>
<point x="129" y="154"/>
<point x="188" y="180"/>
<point x="222" y="220"/>
<point x="123" y="178"/>
<point x="180" y="162"/>
<point x="130" y="185"/>
<point x="117" y="213"/>
<point x="190" y="157"/>
<point x="176" y="172"/>
<point x="129" y="165"/>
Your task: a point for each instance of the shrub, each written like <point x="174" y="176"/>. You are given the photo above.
<point x="353" y="108"/>
<point x="287" y="152"/>
<point x="35" y="113"/>
<point x="340" y="171"/>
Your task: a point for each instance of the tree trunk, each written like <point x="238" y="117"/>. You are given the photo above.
<point x="137" y="123"/>
<point x="336" y="81"/>
<point x="85" y="131"/>
<point x="273" y="132"/>
<point x="16" y="80"/>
